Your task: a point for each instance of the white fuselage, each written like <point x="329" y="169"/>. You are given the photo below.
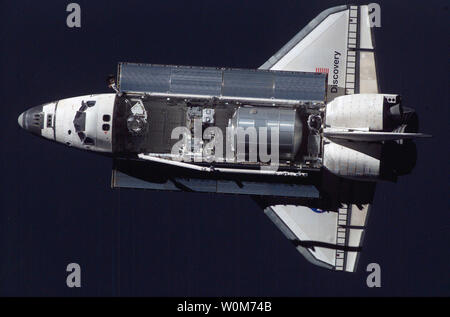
<point x="83" y="122"/>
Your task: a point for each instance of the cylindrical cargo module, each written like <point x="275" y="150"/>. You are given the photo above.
<point x="247" y="123"/>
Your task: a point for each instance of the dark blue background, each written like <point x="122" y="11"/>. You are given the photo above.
<point x="57" y="206"/>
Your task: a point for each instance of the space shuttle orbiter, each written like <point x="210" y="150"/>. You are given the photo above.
<point x="307" y="134"/>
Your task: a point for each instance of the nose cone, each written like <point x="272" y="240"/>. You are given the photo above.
<point x="32" y="120"/>
<point x="20" y="120"/>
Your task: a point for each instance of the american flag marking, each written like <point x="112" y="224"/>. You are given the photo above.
<point x="322" y="70"/>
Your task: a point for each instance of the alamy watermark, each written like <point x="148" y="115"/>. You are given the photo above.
<point x="374" y="15"/>
<point x="74" y="18"/>
<point x="374" y="278"/>
<point x="74" y="277"/>
<point x="248" y="144"/>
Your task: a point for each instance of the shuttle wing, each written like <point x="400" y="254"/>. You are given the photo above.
<point x="339" y="41"/>
<point x="329" y="239"/>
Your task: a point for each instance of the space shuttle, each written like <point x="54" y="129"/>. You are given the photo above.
<point x="307" y="135"/>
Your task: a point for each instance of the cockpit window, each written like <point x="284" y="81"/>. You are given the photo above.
<point x="85" y="105"/>
<point x="85" y="139"/>
<point x="49" y="120"/>
<point x="80" y="121"/>
<point x="88" y="141"/>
